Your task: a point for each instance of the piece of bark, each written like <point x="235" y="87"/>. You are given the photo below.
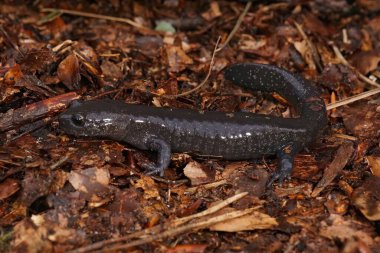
<point x="15" y="118"/>
<point x="341" y="158"/>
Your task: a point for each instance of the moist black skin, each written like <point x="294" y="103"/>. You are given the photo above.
<point x="234" y="137"/>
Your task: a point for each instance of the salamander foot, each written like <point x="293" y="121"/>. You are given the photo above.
<point x="152" y="169"/>
<point x="285" y="168"/>
<point x="163" y="156"/>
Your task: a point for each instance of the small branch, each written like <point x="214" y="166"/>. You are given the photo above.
<point x="212" y="209"/>
<point x="313" y="49"/>
<point x="157" y="230"/>
<point x="361" y="77"/>
<point x="98" y="16"/>
<point x="207" y="186"/>
<point x="236" y="27"/>
<point x="204" y="80"/>
<point x="353" y="99"/>
<point x="182" y="229"/>
<point x="345" y="62"/>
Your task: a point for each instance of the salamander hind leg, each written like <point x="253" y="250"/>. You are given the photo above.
<point x="285" y="164"/>
<point x="163" y="156"/>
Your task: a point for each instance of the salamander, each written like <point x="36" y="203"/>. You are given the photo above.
<point x="235" y="136"/>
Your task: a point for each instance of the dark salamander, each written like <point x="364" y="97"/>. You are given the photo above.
<point x="234" y="136"/>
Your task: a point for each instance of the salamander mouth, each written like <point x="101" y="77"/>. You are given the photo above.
<point x="68" y="126"/>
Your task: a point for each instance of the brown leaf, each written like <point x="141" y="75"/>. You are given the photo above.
<point x="213" y="12"/>
<point x="111" y="70"/>
<point x="365" y="62"/>
<point x="337" y="227"/>
<point x="342" y="156"/>
<point x="188" y="248"/>
<point x="374" y="162"/>
<point x="30" y="239"/>
<point x="198" y="173"/>
<point x="8" y="187"/>
<point x="177" y="58"/>
<point x="68" y="71"/>
<point x="366" y="198"/>
<point x="253" y="221"/>
<point x="92" y="183"/>
<point x="149" y="186"/>
<point x="36" y="60"/>
<point x="362" y="119"/>
<point x="7" y="88"/>
<point x="371" y="5"/>
<point x="31" y="82"/>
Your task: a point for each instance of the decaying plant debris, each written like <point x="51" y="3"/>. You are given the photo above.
<point x="61" y="194"/>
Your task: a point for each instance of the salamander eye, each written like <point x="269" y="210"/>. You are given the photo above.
<point x="78" y="119"/>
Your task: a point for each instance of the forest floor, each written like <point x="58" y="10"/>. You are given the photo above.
<point x="60" y="193"/>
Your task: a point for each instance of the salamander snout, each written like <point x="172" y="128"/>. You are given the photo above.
<point x="72" y="123"/>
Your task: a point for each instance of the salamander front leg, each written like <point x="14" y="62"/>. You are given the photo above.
<point x="163" y="156"/>
<point x="285" y="165"/>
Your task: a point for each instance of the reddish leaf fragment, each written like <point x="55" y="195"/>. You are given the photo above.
<point x="8" y="188"/>
<point x="12" y="75"/>
<point x="68" y="71"/>
<point x="189" y="248"/>
<point x="7" y="88"/>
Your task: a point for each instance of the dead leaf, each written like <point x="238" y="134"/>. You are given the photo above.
<point x="111" y="70"/>
<point x="92" y="183"/>
<point x="177" y="58"/>
<point x="371" y="5"/>
<point x="362" y="120"/>
<point x="29" y="238"/>
<point x="68" y="71"/>
<point x="188" y="248"/>
<point x="8" y="187"/>
<point x="149" y="187"/>
<point x="198" y="173"/>
<point x="253" y="221"/>
<point x="366" y="198"/>
<point x="342" y="156"/>
<point x="374" y="162"/>
<point x="366" y="62"/>
<point x="36" y="60"/>
<point x="213" y="12"/>
<point x="338" y="227"/>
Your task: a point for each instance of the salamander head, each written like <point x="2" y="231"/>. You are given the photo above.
<point x="92" y="119"/>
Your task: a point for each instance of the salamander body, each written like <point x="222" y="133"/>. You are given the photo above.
<point x="234" y="136"/>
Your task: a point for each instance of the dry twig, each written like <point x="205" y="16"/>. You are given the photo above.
<point x="204" y="80"/>
<point x="236" y="27"/>
<point x="361" y="77"/>
<point x="98" y="16"/>
<point x="156" y="232"/>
